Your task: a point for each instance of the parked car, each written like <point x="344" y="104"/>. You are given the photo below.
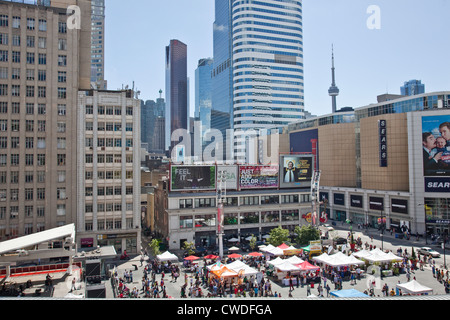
<point x="427" y="251"/>
<point x="340" y="241"/>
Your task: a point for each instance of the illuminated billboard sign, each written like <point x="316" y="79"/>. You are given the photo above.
<point x="229" y="175"/>
<point x="253" y="177"/>
<point x="296" y="171"/>
<point x="185" y="178"/>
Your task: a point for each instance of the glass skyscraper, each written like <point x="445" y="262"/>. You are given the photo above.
<point x="176" y="89"/>
<point x="221" y="74"/>
<point x="203" y="93"/>
<point x="412" y="87"/>
<point x="262" y="42"/>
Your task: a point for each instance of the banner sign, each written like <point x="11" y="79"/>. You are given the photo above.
<point x="251" y="177"/>
<point x="185" y="178"/>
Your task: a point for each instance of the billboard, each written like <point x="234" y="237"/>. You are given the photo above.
<point x="252" y="177"/>
<point x="230" y="176"/>
<point x="436" y="145"/>
<point x="296" y="171"/>
<point x="436" y="152"/>
<point x="185" y="178"/>
<point x="306" y="142"/>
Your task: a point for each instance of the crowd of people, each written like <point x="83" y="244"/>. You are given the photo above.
<point x="197" y="281"/>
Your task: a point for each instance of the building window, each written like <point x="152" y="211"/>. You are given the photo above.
<point x="30" y="24"/>
<point x="42" y="25"/>
<point x="3" y="20"/>
<point x="42" y="59"/>
<point x="62" y="94"/>
<point x="42" y="92"/>
<point x="61" y="109"/>
<point x="61" y="159"/>
<point x="30" y="57"/>
<point x="62" y="27"/>
<point x="62" y="61"/>
<point x="3" y="56"/>
<point x="42" y="75"/>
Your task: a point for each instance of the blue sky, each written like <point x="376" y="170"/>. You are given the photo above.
<point x="412" y="43"/>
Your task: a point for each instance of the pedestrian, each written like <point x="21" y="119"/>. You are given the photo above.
<point x="74" y="287"/>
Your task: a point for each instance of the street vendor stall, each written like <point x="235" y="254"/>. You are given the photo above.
<point x="414" y="288"/>
<point x="167" y="256"/>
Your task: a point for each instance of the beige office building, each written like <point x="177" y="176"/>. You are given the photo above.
<point x="44" y="61"/>
<point x="109" y="172"/>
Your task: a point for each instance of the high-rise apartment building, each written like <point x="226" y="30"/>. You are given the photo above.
<point x="108" y="167"/>
<point x="259" y="47"/>
<point x="177" y="111"/>
<point x="43" y="63"/>
<point x="98" y="43"/>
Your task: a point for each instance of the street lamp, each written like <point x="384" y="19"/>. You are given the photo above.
<point x="382" y="223"/>
<point x="425" y="233"/>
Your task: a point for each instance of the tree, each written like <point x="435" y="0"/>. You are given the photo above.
<point x="278" y="236"/>
<point x="305" y="234"/>
<point x="154" y="247"/>
<point x="252" y="242"/>
<point x="189" y="247"/>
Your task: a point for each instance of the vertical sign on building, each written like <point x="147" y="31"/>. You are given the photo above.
<point x="382" y="132"/>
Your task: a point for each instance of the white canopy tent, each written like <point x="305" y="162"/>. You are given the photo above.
<point x="239" y="265"/>
<point x="267" y="248"/>
<point x="338" y="259"/>
<point x="167" y="256"/>
<point x="415" y="288"/>
<point x="276" y="261"/>
<point x="377" y="255"/>
<point x="295" y="260"/>
<point x="275" y="251"/>
<point x="286" y="266"/>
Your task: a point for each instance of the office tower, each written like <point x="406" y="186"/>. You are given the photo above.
<point x="334" y="90"/>
<point x="221" y="75"/>
<point x="177" y="112"/>
<point x="43" y="63"/>
<point x="203" y="93"/>
<point x="152" y="116"/>
<point x="98" y="44"/>
<point x="267" y="66"/>
<point x="108" y="160"/>
<point x="412" y="87"/>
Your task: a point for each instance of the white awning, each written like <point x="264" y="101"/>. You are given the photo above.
<point x="36" y="238"/>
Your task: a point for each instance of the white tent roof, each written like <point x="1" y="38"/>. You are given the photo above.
<point x="267" y="248"/>
<point x="275" y="251"/>
<point x="239" y="265"/>
<point x="276" y="261"/>
<point x="287" y="266"/>
<point x="167" y="256"/>
<point x="338" y="259"/>
<point x="38" y="237"/>
<point x="376" y="255"/>
<point x="361" y="254"/>
<point x="295" y="260"/>
<point x="414" y="287"/>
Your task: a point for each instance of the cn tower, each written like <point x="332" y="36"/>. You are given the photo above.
<point x="334" y="90"/>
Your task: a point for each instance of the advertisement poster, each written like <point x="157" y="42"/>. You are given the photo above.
<point x="436" y="153"/>
<point x="228" y="175"/>
<point x="296" y="170"/>
<point x="185" y="178"/>
<point x="251" y="177"/>
<point x="306" y="142"/>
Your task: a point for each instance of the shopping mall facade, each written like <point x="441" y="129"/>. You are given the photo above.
<point x="373" y="165"/>
<point x="373" y="170"/>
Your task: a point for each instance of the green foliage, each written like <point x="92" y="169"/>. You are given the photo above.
<point x="252" y="242"/>
<point x="278" y="236"/>
<point x="154" y="246"/>
<point x="305" y="234"/>
<point x="189" y="247"/>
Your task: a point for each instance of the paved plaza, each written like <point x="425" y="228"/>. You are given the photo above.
<point x="424" y="277"/>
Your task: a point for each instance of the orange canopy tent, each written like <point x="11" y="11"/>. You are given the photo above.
<point x="224" y="272"/>
<point x="234" y="256"/>
<point x="255" y="254"/>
